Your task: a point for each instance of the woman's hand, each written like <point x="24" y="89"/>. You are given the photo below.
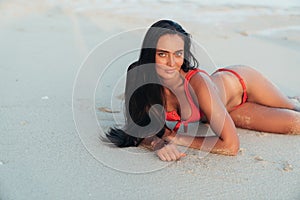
<point x="169" y="153"/>
<point x="164" y="149"/>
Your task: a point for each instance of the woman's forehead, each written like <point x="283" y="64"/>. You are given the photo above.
<point x="170" y="43"/>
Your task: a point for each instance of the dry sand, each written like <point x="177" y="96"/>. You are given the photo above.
<point x="47" y="153"/>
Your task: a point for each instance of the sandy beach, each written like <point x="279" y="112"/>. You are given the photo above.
<point x="62" y="79"/>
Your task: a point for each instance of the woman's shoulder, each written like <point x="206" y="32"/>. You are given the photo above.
<point x="196" y="72"/>
<point x="198" y="78"/>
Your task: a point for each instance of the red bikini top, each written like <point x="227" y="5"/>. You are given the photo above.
<point x="196" y="112"/>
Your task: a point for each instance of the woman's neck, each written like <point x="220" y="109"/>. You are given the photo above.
<point x="176" y="82"/>
<point x="173" y="84"/>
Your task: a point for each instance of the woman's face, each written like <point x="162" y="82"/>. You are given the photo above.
<point x="169" y="55"/>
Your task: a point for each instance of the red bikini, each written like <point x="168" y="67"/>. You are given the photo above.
<point x="196" y="112"/>
<point x="245" y="96"/>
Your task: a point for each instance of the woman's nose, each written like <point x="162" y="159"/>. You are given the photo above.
<point x="171" y="60"/>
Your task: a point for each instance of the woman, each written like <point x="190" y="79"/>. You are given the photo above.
<point x="237" y="96"/>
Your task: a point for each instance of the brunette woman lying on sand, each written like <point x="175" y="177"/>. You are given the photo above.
<point x="235" y="96"/>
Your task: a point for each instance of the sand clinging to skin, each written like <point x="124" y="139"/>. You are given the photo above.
<point x="295" y="127"/>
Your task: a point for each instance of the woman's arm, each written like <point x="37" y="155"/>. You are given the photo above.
<point x="226" y="141"/>
<point x="228" y="145"/>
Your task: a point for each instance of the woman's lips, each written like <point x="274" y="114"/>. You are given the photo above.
<point x="170" y="71"/>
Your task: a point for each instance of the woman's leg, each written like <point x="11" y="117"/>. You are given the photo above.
<point x="267" y="119"/>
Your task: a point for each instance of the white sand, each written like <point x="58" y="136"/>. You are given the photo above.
<point x="42" y="157"/>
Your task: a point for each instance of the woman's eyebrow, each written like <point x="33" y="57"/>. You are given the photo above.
<point x="161" y="50"/>
<point x="165" y="51"/>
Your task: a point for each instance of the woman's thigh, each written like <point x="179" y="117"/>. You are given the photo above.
<point x="267" y="119"/>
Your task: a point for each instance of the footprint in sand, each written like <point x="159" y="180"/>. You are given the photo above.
<point x="287" y="167"/>
<point x="121" y="96"/>
<point x="258" y="158"/>
<point x="107" y="110"/>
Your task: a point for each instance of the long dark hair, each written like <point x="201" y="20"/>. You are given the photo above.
<point x="143" y="89"/>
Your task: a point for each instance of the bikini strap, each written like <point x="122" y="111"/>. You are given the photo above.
<point x="194" y="71"/>
<point x="245" y="96"/>
<point x="188" y="77"/>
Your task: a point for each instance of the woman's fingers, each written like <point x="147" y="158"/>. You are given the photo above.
<point x="169" y="153"/>
<point x="175" y="154"/>
<point x="164" y="155"/>
<point x="161" y="155"/>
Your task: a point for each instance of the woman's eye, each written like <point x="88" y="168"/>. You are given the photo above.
<point x="162" y="54"/>
<point x="179" y="53"/>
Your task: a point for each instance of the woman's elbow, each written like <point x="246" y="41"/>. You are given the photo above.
<point x="228" y="148"/>
<point x="233" y="147"/>
<point x="234" y="150"/>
